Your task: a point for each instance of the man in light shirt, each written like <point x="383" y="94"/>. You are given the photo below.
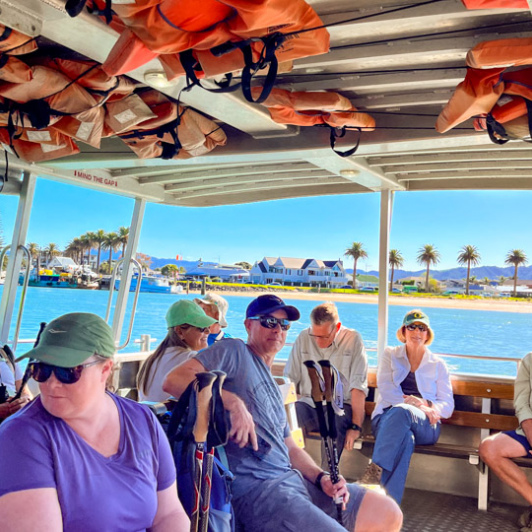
<point x="328" y="339"/>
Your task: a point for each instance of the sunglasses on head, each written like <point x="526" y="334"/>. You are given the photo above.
<point x="414" y="326"/>
<point x="200" y="329"/>
<point x="41" y="372"/>
<point x="269" y="322"/>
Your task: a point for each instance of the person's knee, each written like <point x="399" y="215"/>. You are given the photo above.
<point x="489" y="450"/>
<point x="378" y="513"/>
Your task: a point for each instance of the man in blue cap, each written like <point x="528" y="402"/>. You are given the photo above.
<point x="277" y="484"/>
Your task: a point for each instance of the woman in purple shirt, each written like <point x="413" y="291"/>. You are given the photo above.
<point x="78" y="458"/>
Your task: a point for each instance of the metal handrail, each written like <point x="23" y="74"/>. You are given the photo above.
<point x="135" y="298"/>
<point x="23" y="248"/>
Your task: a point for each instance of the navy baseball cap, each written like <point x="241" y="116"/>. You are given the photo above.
<point x="268" y="303"/>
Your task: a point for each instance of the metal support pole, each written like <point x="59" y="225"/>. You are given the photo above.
<point x="384" y="269"/>
<point x="20" y="232"/>
<point x="127" y="270"/>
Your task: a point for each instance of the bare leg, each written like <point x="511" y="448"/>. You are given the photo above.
<point x="378" y="513"/>
<point x="497" y="451"/>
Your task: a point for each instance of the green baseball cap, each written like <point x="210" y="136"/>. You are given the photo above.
<point x="71" y="339"/>
<point x="187" y="312"/>
<point x="416" y="316"/>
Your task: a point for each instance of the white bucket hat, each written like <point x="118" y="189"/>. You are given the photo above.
<point x="219" y="302"/>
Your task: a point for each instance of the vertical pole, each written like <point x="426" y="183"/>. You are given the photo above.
<point x="20" y="232"/>
<point x="127" y="268"/>
<point x="384" y="249"/>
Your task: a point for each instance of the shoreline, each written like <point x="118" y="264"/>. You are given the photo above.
<point x="522" y="307"/>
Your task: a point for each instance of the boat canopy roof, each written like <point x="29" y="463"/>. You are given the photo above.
<point x="397" y="60"/>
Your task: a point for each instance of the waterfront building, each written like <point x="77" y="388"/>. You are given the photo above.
<point x="299" y="272"/>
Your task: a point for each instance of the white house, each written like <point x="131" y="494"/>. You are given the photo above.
<point x="299" y="272"/>
<point x="65" y="264"/>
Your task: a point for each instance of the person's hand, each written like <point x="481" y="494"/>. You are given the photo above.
<point x="17" y="404"/>
<point x="414" y="401"/>
<point x="335" y="491"/>
<point x="432" y="414"/>
<point x="242" y="425"/>
<point x="350" y="437"/>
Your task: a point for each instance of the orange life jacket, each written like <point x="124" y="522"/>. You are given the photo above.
<point x="175" y="132"/>
<point x="494" y="4"/>
<point x="214" y="34"/>
<point x="13" y="70"/>
<point x="49" y="93"/>
<point x="13" y="42"/>
<point x="59" y="146"/>
<point x="313" y="108"/>
<point x="484" y="85"/>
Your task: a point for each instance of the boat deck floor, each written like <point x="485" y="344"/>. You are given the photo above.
<point x="438" y="512"/>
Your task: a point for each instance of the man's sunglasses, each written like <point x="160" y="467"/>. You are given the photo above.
<point x="200" y="329"/>
<point x="269" y="322"/>
<point x="41" y="372"/>
<point x="421" y="328"/>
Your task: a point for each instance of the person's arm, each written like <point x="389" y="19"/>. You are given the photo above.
<point x="358" y="405"/>
<point x="522" y="391"/>
<point x="170" y="516"/>
<point x="358" y="380"/>
<point x="388" y="390"/>
<point x="242" y="425"/>
<point x="35" y="510"/>
<point x="176" y="382"/>
<point x="302" y="461"/>
<point x="293" y="369"/>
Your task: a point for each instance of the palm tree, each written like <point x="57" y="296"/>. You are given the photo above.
<point x="486" y="281"/>
<point x="35" y="254"/>
<point x="88" y="241"/>
<point x="428" y="255"/>
<point x="468" y="255"/>
<point x="395" y="259"/>
<point x="99" y="238"/>
<point x="74" y="249"/>
<point x="502" y="278"/>
<point x="112" y="243"/>
<point x="52" y="251"/>
<point x="518" y="258"/>
<point x="357" y="252"/>
<point x="123" y="235"/>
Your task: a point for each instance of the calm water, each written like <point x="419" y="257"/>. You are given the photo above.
<point x="471" y="332"/>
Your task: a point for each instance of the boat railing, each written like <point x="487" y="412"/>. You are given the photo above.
<point x="135" y="298"/>
<point x="3" y="253"/>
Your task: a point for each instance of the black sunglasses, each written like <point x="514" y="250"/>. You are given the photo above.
<point x="269" y="322"/>
<point x="41" y="372"/>
<point x="200" y="329"/>
<point x="413" y="327"/>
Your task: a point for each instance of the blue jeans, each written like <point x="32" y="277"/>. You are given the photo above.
<point x="397" y="430"/>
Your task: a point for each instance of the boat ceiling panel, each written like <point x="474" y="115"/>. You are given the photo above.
<point x="398" y="61"/>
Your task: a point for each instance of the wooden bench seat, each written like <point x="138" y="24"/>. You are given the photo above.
<point x="477" y="407"/>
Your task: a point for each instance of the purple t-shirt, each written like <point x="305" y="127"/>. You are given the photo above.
<point x="119" y="493"/>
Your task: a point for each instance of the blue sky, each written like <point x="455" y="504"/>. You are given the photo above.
<point x="323" y="227"/>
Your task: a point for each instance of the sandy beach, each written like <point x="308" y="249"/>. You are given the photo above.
<point x="495" y="305"/>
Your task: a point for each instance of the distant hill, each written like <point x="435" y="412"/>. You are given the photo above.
<point x="187" y="264"/>
<point x="491" y="272"/>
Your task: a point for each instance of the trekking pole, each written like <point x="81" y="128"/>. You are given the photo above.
<point x="203" y="390"/>
<point x="318" y="396"/>
<point x="330" y="388"/>
<point x="208" y="460"/>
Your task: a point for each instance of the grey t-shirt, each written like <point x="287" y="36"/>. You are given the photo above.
<point x="250" y="379"/>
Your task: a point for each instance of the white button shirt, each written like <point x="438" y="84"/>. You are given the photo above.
<point x="346" y="353"/>
<point x="432" y="378"/>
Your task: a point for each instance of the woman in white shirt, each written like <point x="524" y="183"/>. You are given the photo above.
<point x="188" y="330"/>
<point x="415" y="392"/>
<point x="10" y="382"/>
